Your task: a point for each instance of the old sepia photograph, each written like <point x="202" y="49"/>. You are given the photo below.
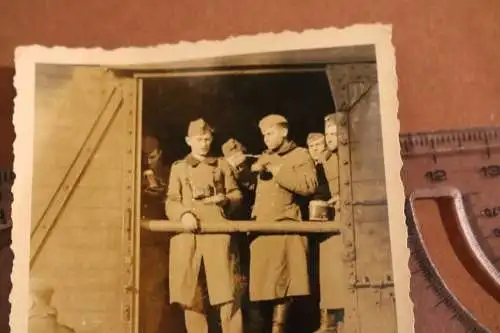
<point x="242" y="186"/>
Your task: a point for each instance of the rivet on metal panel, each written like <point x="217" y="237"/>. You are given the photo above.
<point x="126" y="313"/>
<point x="345" y="162"/>
<point x="129" y="288"/>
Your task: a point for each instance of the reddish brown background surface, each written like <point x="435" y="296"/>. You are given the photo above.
<point x="447" y="55"/>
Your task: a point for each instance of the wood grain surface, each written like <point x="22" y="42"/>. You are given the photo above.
<point x="446" y="59"/>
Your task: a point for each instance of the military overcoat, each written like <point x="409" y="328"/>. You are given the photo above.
<point x="278" y="263"/>
<point x="187" y="251"/>
<point x="334" y="291"/>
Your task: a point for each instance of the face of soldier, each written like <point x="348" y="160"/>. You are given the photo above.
<point x="317" y="148"/>
<point x="274" y="136"/>
<point x="331" y="137"/>
<point x="149" y="144"/>
<point x="200" y="144"/>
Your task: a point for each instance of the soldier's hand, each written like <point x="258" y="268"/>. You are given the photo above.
<point x="189" y="221"/>
<point x="257" y="167"/>
<point x="334" y="202"/>
<point x="218" y="199"/>
<point x="154" y="191"/>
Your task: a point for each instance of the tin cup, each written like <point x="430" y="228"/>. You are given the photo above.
<point x="319" y="210"/>
<point x="150" y="177"/>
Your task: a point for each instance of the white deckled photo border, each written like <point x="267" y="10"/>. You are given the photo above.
<point x="379" y="35"/>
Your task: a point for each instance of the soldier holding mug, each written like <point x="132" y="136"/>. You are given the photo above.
<point x="278" y="263"/>
<point x="202" y="189"/>
<point x="333" y="283"/>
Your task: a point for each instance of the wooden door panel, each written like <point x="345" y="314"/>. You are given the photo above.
<point x="83" y="131"/>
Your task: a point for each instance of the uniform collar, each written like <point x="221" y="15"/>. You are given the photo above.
<point x="285" y="148"/>
<point x="331" y="153"/>
<point x="328" y="154"/>
<point x="194" y="162"/>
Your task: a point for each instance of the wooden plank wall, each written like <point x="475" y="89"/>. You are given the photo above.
<point x="82" y="257"/>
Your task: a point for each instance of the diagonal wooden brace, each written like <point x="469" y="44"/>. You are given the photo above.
<point x="56" y="204"/>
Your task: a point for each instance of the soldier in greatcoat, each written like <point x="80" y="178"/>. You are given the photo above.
<point x="332" y="274"/>
<point x="202" y="189"/>
<point x="278" y="263"/>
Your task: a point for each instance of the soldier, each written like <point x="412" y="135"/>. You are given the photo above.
<point x="154" y="245"/>
<point x="202" y="189"/>
<point x="333" y="286"/>
<point x="42" y="315"/>
<point x="154" y="179"/>
<point x="236" y="155"/>
<point x="278" y="263"/>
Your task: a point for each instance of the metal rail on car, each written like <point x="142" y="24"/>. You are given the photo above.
<point x="245" y="226"/>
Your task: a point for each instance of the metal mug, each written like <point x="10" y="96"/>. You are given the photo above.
<point x="319" y="210"/>
<point x="150" y="177"/>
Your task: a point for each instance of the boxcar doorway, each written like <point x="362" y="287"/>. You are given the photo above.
<point x="232" y="102"/>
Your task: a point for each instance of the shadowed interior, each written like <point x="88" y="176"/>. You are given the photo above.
<point x="233" y="105"/>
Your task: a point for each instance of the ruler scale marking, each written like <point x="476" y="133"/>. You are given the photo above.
<point x="468" y="160"/>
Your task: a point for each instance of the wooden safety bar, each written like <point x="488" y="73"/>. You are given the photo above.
<point x="245" y="226"/>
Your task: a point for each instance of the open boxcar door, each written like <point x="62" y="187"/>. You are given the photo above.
<point x="84" y="185"/>
<point x="363" y="214"/>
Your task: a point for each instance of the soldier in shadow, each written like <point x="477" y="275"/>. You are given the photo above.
<point x="156" y="314"/>
<point x="154" y="178"/>
<point x="240" y="163"/>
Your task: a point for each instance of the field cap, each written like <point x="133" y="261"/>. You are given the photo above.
<point x="312" y="137"/>
<point x="199" y="127"/>
<point x="331" y="120"/>
<point x="231" y="147"/>
<point x="271" y="120"/>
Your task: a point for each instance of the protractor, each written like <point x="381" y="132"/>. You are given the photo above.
<point x="456" y="252"/>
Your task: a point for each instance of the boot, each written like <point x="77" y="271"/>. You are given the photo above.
<point x="279" y="318"/>
<point x="328" y="324"/>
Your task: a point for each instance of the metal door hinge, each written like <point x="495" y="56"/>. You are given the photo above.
<point x="128" y="260"/>
<point x="131" y="289"/>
